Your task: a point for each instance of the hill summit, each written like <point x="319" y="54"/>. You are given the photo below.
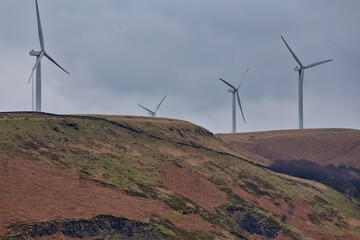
<point x="322" y="146"/>
<point x="118" y="177"/>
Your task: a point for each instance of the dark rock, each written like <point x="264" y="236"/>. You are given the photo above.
<point x="253" y="224"/>
<point x="100" y="227"/>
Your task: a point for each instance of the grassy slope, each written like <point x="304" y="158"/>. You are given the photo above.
<point x="324" y="146"/>
<point x="203" y="189"/>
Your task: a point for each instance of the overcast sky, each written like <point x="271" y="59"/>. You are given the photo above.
<point x="121" y="53"/>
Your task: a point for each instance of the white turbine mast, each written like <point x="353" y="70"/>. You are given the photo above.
<point x="301" y="69"/>
<point x="32" y="94"/>
<point x="235" y="95"/>
<point x="153" y="113"/>
<point x="39" y="55"/>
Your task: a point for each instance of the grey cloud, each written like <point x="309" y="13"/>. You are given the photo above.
<point x="121" y="53"/>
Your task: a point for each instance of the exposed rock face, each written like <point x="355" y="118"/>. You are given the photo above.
<point x="97" y="227"/>
<point x="254" y="224"/>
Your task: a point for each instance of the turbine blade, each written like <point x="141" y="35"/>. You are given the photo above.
<point x="242" y="113"/>
<point x="36" y="64"/>
<point x="243" y="78"/>
<point x="146" y="109"/>
<point x="317" y="63"/>
<point x="41" y="37"/>
<point x="157" y="108"/>
<point x="292" y="53"/>
<point x="228" y="84"/>
<point x="52" y="60"/>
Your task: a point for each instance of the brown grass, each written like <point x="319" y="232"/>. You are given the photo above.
<point x="192" y="186"/>
<point x="33" y="191"/>
<point x="324" y="146"/>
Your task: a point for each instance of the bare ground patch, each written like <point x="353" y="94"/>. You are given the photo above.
<point x="192" y="186"/>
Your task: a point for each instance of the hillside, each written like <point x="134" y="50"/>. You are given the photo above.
<point x="323" y="146"/>
<point x="115" y="177"/>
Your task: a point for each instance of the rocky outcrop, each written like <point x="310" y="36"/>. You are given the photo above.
<point x="97" y="227"/>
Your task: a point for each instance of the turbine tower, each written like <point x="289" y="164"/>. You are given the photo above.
<point x="301" y="70"/>
<point x="153" y="113"/>
<point x="235" y="91"/>
<point x="39" y="55"/>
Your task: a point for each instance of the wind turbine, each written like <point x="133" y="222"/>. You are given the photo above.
<point x="39" y="55"/>
<point x="235" y="91"/>
<point x="301" y="70"/>
<point x="153" y="113"/>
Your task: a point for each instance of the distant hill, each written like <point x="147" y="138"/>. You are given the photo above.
<point x="323" y="146"/>
<point x="118" y="177"/>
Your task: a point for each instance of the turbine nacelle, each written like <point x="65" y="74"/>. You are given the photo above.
<point x="297" y="68"/>
<point x="231" y="90"/>
<point x="34" y="53"/>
